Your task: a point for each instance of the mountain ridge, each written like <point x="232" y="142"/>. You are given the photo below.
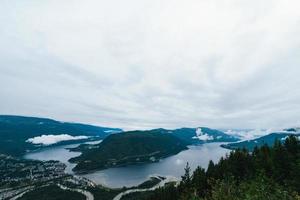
<point x="268" y="139"/>
<point x="16" y="130"/>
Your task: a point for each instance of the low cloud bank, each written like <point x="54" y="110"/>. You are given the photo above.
<point x="52" y="139"/>
<point x="249" y="134"/>
<point x="257" y="133"/>
<point x="202" y="136"/>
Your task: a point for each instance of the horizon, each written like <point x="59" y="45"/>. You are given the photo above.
<point x="267" y="130"/>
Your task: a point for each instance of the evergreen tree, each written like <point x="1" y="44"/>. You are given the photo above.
<point x="210" y="169"/>
<point x="267" y="173"/>
<point x="280" y="162"/>
<point x="199" y="181"/>
<point x="185" y="186"/>
<point x="186" y="178"/>
<point x="292" y="145"/>
<point x="263" y="160"/>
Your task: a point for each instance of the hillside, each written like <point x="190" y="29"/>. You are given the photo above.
<point x="129" y="148"/>
<point x="268" y="140"/>
<point x="200" y="135"/>
<point x="16" y="130"/>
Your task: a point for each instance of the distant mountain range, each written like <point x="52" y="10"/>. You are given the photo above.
<point x="202" y="135"/>
<point x="16" y="132"/>
<point x="20" y="134"/>
<point x="267" y="139"/>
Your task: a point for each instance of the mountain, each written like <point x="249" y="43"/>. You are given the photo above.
<point x="202" y="135"/>
<point x="143" y="146"/>
<point x="294" y="129"/>
<point x="127" y="148"/>
<point x="267" y="139"/>
<point x="16" y="132"/>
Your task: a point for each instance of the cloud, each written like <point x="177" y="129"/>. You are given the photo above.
<point x="202" y="136"/>
<point x="52" y="139"/>
<point x="147" y="64"/>
<point x="251" y="134"/>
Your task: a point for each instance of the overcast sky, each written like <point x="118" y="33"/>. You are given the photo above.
<point x="140" y="64"/>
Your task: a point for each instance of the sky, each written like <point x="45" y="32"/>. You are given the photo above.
<point x="147" y="64"/>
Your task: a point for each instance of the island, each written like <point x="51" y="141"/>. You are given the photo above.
<point x="132" y="147"/>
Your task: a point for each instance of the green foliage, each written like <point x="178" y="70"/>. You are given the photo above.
<point x="169" y="192"/>
<point x="225" y="190"/>
<point x="200" y="182"/>
<point x="52" y="192"/>
<point x="255" y="189"/>
<point x="149" y="183"/>
<point x="185" y="186"/>
<point x="138" y="195"/>
<point x="271" y="173"/>
<point x="186" y="178"/>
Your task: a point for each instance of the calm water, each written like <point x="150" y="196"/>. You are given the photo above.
<point x="136" y="174"/>
<point x="55" y="153"/>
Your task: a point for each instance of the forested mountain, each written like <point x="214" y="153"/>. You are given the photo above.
<point x="200" y="135"/>
<point x="268" y="173"/>
<point x="264" y="140"/>
<point x="15" y="130"/>
<point x="129" y="148"/>
<point x="143" y="146"/>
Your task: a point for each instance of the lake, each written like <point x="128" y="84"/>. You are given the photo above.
<point x="135" y="174"/>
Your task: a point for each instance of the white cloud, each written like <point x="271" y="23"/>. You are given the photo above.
<point x="250" y="134"/>
<point x="52" y="139"/>
<point x="202" y="136"/>
<point x="256" y="133"/>
<point x="147" y="64"/>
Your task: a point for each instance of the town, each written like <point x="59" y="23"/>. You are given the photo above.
<point x="19" y="176"/>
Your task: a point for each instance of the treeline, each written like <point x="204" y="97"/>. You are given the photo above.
<point x="271" y="173"/>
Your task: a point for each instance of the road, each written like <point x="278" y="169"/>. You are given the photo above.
<point x="24" y="191"/>
<point x="160" y="184"/>
<point x="87" y="194"/>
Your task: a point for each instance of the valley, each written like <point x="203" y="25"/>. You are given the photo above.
<point x="112" y="164"/>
